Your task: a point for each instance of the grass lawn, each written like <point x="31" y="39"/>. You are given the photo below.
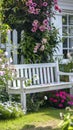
<point x="45" y="119"/>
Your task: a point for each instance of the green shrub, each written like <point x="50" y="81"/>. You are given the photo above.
<point x="10" y="110"/>
<point x="34" y="102"/>
<point x="67" y="123"/>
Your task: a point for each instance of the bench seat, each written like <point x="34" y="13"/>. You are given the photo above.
<point x="40" y="88"/>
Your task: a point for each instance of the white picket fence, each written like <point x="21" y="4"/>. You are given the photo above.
<point x="11" y="45"/>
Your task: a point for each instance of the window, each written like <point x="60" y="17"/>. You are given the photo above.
<point x="67" y="34"/>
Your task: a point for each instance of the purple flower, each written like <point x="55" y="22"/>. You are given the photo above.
<point x="42" y="28"/>
<point x="37" y="10"/>
<point x="34" y="4"/>
<point x="45" y="4"/>
<point x="45" y="22"/>
<point x="70" y="103"/>
<point x="34" y="29"/>
<point x="31" y="10"/>
<point x="35" y="23"/>
<point x="2" y="73"/>
<point x="60" y="105"/>
<point x="55" y="1"/>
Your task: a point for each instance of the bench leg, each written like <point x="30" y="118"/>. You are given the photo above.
<point x="23" y="101"/>
<point x="71" y="91"/>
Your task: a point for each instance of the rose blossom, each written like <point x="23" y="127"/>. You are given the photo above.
<point x="45" y="4"/>
<point x="37" y="10"/>
<point x="34" y="4"/>
<point x="31" y="10"/>
<point x="57" y="8"/>
<point x="55" y="1"/>
<point x="35" y="23"/>
<point x="34" y="29"/>
<point x="45" y="21"/>
<point x="42" y="28"/>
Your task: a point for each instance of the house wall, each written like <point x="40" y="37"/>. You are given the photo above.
<point x="67" y="7"/>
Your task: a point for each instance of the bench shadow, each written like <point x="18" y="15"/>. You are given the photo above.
<point x="32" y="127"/>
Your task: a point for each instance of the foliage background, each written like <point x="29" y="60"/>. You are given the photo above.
<point x="15" y="14"/>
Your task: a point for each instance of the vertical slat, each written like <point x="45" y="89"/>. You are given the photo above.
<point x="21" y="71"/>
<point x="26" y="74"/>
<point x="18" y="75"/>
<point x="48" y="75"/>
<point x="45" y="77"/>
<point x="41" y="76"/>
<point x="22" y="37"/>
<point x="52" y="78"/>
<point x="8" y="44"/>
<point x="37" y="72"/>
<point x="15" y="47"/>
<point x="0" y="39"/>
<point x="29" y="73"/>
<point x="33" y="74"/>
<point x="57" y="70"/>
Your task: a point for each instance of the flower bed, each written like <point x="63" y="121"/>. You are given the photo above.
<point x="60" y="99"/>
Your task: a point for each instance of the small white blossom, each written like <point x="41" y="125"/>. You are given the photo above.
<point x="35" y="77"/>
<point x="6" y="53"/>
<point x="45" y="98"/>
<point x="0" y="60"/>
<point x="11" y="60"/>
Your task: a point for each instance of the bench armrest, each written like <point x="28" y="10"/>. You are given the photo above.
<point x="65" y="73"/>
<point x="70" y="74"/>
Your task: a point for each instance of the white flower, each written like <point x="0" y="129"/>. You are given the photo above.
<point x="3" y="66"/>
<point x="0" y="59"/>
<point x="45" y="98"/>
<point x="11" y="60"/>
<point x="6" y="53"/>
<point x="69" y="56"/>
<point x="44" y="40"/>
<point x="35" y="77"/>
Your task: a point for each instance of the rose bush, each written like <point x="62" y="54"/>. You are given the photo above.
<point x="6" y="70"/>
<point x="40" y="35"/>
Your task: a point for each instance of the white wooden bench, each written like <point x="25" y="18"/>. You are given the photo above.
<point x="48" y="79"/>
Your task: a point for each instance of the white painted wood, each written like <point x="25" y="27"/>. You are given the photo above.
<point x="38" y="80"/>
<point x="15" y="46"/>
<point x="8" y="44"/>
<point x="46" y="80"/>
<point x="41" y="76"/>
<point x="33" y="75"/>
<point x="48" y="75"/>
<point x="52" y="79"/>
<point x="45" y="76"/>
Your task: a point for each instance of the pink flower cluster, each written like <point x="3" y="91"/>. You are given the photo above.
<point x="56" y="6"/>
<point x="40" y="8"/>
<point x="36" y="25"/>
<point x="40" y="46"/>
<point x="61" y="99"/>
<point x="2" y="73"/>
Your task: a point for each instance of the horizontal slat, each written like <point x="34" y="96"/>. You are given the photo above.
<point x="41" y="88"/>
<point x="35" y="65"/>
<point x="65" y="73"/>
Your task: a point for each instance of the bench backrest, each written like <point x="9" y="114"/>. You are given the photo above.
<point x="43" y="73"/>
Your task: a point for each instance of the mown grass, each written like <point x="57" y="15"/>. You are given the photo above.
<point x="45" y="119"/>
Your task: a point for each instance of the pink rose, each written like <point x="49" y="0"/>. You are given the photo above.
<point x="45" y="22"/>
<point x="42" y="28"/>
<point x="45" y="4"/>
